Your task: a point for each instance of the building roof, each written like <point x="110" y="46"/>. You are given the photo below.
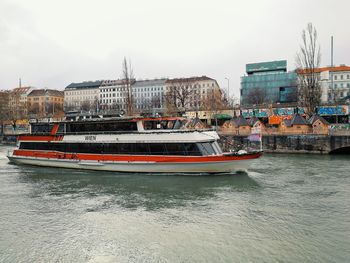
<point x="253" y="120"/>
<point x="85" y="85"/>
<point x="193" y="122"/>
<point x="46" y="92"/>
<point x="240" y="121"/>
<point x="287" y="122"/>
<point x="279" y="65"/>
<point x="298" y="120"/>
<point x="190" y="79"/>
<point x="111" y="82"/>
<point x="316" y="117"/>
<point x="319" y="70"/>
<point x="150" y="82"/>
<point x="115" y="82"/>
<point x="21" y="90"/>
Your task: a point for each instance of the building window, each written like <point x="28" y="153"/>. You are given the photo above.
<point x="341" y="76"/>
<point x="348" y="85"/>
<point x="335" y="77"/>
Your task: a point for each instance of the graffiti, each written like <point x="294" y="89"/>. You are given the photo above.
<point x="260" y="113"/>
<point x="338" y="110"/>
<point x="287" y="111"/>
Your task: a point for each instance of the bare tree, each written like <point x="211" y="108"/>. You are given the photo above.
<point x="156" y="101"/>
<point x="178" y="97"/>
<point x="18" y="108"/>
<point x="228" y="101"/>
<point x="86" y="105"/>
<point x="308" y="59"/>
<point x="96" y="104"/>
<point x="214" y="100"/>
<point x="4" y="108"/>
<point x="128" y="78"/>
<point x="33" y="109"/>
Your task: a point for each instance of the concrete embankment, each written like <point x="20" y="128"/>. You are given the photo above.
<point x="320" y="144"/>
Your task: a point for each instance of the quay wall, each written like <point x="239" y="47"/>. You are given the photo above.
<point x="306" y="143"/>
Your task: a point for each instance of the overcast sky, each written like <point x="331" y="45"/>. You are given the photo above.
<point x="53" y="43"/>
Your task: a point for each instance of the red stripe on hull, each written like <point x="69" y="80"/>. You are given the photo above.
<point x="39" y="138"/>
<point x="134" y="158"/>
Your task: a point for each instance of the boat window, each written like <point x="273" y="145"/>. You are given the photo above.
<point x="41" y="128"/>
<point x="142" y="148"/>
<point x="61" y="128"/>
<point x="175" y="149"/>
<point x="101" y="126"/>
<point x="157" y="148"/>
<point x="177" y="125"/>
<point x="206" y="148"/>
<point x="126" y="148"/>
<point x="189" y="149"/>
<point x="216" y="147"/>
<point x="192" y="149"/>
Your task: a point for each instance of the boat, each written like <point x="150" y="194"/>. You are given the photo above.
<point x="137" y="145"/>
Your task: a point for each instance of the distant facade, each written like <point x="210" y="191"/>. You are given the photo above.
<point x="149" y="95"/>
<point x="18" y="100"/>
<point x="45" y="103"/>
<point x="267" y="83"/>
<point x="113" y="95"/>
<point x="335" y="83"/>
<point x="82" y="95"/>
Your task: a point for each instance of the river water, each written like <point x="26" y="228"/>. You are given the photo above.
<point x="289" y="208"/>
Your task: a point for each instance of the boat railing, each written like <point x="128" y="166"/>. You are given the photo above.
<point x="122" y="132"/>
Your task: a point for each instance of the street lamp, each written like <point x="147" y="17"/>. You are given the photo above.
<point x="228" y="88"/>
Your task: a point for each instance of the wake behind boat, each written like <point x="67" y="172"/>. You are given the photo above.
<point x="142" y="145"/>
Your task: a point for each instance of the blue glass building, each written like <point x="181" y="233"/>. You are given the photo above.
<point x="268" y="83"/>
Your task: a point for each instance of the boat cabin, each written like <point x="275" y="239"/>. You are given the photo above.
<point x="104" y="126"/>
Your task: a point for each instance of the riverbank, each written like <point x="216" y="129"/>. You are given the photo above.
<point x="315" y="144"/>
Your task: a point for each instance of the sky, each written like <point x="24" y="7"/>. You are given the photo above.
<point x="49" y="44"/>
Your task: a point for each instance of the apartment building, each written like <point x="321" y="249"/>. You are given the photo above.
<point x="82" y="95"/>
<point x="149" y="95"/>
<point x="45" y="102"/>
<point x="335" y="83"/>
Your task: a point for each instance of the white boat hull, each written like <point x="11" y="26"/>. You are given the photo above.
<point x="137" y="167"/>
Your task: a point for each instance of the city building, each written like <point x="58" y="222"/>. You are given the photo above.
<point x="193" y="93"/>
<point x="82" y="96"/>
<point x="45" y="103"/>
<point x="18" y="102"/>
<point x="335" y="83"/>
<point x="149" y="95"/>
<point x="113" y="95"/>
<point x="268" y="83"/>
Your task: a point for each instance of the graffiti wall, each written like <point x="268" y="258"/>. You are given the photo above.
<point x="333" y="110"/>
